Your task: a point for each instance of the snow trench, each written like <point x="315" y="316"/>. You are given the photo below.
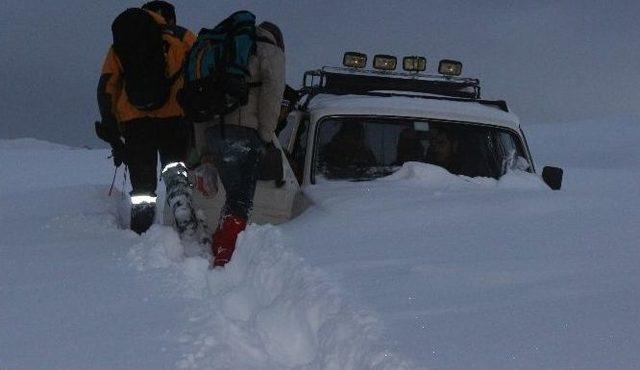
<point x="266" y="309"/>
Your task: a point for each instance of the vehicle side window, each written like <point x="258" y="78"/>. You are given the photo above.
<point x="512" y="156"/>
<point x="300" y="150"/>
<point x="474" y="153"/>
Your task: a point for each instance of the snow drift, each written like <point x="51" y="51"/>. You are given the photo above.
<point x="422" y="269"/>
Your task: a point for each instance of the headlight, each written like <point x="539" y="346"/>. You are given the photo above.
<point x="449" y="67"/>
<point x="414" y="64"/>
<point x="352" y="59"/>
<point x="385" y="62"/>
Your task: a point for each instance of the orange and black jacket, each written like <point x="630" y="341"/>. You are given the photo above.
<point x="112" y="97"/>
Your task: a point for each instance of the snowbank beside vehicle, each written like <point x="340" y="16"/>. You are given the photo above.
<point x="431" y="176"/>
<point x="79" y="290"/>
<point x="420" y="269"/>
<point x="29" y="165"/>
<point x="267" y="309"/>
<point x="479" y="273"/>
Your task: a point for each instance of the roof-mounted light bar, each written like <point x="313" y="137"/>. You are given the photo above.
<point x="450" y="67"/>
<point x="353" y="59"/>
<point x="414" y="64"/>
<point x="385" y="62"/>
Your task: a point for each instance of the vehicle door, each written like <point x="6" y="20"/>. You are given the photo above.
<point x="273" y="201"/>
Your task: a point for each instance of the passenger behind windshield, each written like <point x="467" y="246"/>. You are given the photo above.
<point x="360" y="148"/>
<point x="469" y="151"/>
<point x="444" y="150"/>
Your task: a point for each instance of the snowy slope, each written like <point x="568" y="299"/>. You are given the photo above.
<point x="419" y="270"/>
<point x="77" y="291"/>
<point x="499" y="275"/>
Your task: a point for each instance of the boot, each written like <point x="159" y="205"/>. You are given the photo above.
<point x="179" y="199"/>
<point x="186" y="222"/>
<point x="224" y="239"/>
<point x="142" y="216"/>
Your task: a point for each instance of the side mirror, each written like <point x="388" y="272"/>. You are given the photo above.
<point x="552" y="176"/>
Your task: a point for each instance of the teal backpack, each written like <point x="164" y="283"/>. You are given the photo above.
<point x="217" y="68"/>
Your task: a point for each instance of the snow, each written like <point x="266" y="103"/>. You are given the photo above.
<point x="324" y="105"/>
<point x="422" y="269"/>
<point x="30" y="144"/>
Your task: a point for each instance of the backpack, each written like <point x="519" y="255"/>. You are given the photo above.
<point x="138" y="42"/>
<point x="217" y="68"/>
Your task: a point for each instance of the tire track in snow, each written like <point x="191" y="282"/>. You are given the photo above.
<point x="267" y="309"/>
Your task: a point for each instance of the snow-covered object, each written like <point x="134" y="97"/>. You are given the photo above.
<point x="304" y="143"/>
<point x="324" y="105"/>
<point x="420" y="270"/>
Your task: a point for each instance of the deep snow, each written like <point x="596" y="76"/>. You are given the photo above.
<point x="419" y="270"/>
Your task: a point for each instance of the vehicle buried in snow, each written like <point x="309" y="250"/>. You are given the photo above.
<point x="358" y="124"/>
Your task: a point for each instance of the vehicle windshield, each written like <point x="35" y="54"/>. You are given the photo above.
<point x="361" y="148"/>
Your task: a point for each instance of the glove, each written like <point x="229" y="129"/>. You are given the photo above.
<point x="118" y="154"/>
<point x="206" y="179"/>
<point x="107" y="131"/>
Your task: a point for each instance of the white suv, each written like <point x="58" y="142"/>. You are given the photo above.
<point x="357" y="124"/>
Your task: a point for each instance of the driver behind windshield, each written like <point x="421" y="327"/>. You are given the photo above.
<point x="347" y="154"/>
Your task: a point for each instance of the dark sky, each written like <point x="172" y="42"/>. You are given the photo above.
<point x="551" y="60"/>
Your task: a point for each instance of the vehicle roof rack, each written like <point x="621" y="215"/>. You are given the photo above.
<point x="335" y="80"/>
<point x="351" y="81"/>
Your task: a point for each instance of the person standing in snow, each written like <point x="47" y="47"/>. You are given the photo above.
<point x="235" y="144"/>
<point x="137" y="101"/>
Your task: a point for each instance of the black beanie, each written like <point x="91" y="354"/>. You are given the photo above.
<point x="165" y="9"/>
<point x="275" y="31"/>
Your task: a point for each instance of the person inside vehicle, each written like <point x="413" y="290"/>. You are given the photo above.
<point x="409" y="148"/>
<point x="347" y="154"/>
<point x="443" y="150"/>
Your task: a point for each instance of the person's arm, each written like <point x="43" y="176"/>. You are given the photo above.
<point x="109" y="87"/>
<point x="272" y="71"/>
